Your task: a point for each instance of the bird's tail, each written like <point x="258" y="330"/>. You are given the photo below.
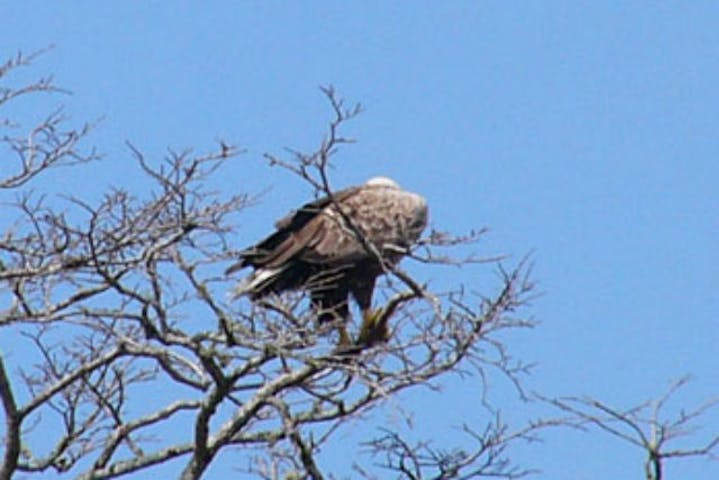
<point x="257" y="283"/>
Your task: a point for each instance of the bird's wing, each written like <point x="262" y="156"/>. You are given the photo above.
<point x="297" y="218"/>
<point x="303" y="227"/>
<point x="335" y="242"/>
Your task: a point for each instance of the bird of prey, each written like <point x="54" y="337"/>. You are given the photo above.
<point x="335" y="247"/>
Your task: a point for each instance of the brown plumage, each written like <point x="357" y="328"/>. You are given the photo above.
<point x="314" y="247"/>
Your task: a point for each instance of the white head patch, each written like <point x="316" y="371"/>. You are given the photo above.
<point x="382" y="182"/>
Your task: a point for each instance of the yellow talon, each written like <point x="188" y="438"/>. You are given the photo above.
<point x="374" y="327"/>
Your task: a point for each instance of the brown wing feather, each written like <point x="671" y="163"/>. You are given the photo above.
<point x="334" y="245"/>
<point x="387" y="218"/>
<point x="337" y="245"/>
<point x="294" y="244"/>
<point x="297" y="218"/>
<point x="296" y="230"/>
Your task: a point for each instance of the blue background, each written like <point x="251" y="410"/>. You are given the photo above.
<point x="583" y="131"/>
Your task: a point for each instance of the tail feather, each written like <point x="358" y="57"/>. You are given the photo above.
<point x="257" y="282"/>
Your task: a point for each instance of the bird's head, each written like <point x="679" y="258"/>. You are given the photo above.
<point x="382" y="182"/>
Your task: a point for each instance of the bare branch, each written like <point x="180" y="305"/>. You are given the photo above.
<point x="12" y="425"/>
<point x="645" y="426"/>
<point x="125" y="295"/>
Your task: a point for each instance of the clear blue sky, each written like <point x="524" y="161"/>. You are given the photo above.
<point x="584" y="131"/>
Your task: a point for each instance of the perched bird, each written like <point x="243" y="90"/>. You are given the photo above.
<point x="335" y="247"/>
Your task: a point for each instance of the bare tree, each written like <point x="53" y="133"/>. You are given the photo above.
<point x="124" y="304"/>
<point x="487" y="459"/>
<point x="647" y="426"/>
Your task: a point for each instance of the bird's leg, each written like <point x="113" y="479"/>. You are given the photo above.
<point x="336" y="313"/>
<point x="374" y="327"/>
<point x="345" y="340"/>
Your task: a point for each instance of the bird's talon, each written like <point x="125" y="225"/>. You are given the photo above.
<point x="374" y="328"/>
